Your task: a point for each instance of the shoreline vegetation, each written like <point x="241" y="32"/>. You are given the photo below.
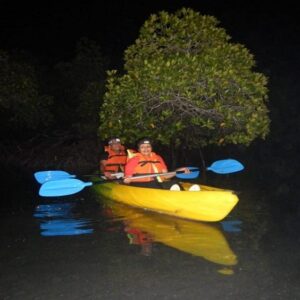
<point x="66" y="152"/>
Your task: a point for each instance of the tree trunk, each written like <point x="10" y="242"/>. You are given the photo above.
<point x="203" y="166"/>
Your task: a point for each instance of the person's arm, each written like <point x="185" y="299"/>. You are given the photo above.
<point x="165" y="169"/>
<point x="129" y="169"/>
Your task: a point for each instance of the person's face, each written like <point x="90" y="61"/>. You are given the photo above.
<point x="145" y="149"/>
<point x="115" y="146"/>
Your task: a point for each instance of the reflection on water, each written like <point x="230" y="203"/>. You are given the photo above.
<point x="231" y="226"/>
<point x="58" y="219"/>
<point x="205" y="240"/>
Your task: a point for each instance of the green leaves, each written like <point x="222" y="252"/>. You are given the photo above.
<point x="185" y="80"/>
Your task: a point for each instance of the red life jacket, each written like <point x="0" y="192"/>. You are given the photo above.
<point x="147" y="166"/>
<point x="115" y="161"/>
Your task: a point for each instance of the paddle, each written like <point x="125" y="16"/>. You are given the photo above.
<point x="226" y="166"/>
<point x="64" y="187"/>
<point x="44" y="176"/>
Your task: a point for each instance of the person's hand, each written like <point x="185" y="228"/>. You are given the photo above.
<point x="108" y="175"/>
<point x="127" y="180"/>
<point x="185" y="170"/>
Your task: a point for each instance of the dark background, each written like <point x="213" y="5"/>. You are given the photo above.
<point x="51" y="30"/>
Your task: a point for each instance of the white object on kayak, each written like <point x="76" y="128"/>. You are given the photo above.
<point x="195" y="188"/>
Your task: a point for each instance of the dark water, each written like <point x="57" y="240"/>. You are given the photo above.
<point x="81" y="247"/>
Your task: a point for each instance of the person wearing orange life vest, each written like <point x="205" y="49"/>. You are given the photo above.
<point x="114" y="158"/>
<point x="147" y="162"/>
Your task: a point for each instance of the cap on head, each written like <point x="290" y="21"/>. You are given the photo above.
<point x="144" y="141"/>
<point x="114" y="141"/>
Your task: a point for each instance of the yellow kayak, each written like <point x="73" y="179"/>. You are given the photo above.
<point x="196" y="238"/>
<point x="209" y="204"/>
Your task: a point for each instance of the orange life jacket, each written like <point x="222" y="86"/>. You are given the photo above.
<point x="147" y="166"/>
<point x="115" y="162"/>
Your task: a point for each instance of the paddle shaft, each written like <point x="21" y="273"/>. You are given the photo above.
<point x="154" y="175"/>
<point x="142" y="176"/>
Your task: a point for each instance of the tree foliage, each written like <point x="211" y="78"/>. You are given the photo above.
<point x="185" y="82"/>
<point x="22" y="106"/>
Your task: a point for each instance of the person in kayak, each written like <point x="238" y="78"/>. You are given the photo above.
<point x="114" y="158"/>
<point x="144" y="162"/>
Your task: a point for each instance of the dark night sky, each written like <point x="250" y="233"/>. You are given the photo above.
<point x="50" y="30"/>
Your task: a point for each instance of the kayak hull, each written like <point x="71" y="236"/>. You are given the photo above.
<point x="210" y="204"/>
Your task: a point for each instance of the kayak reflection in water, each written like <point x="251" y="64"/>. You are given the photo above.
<point x="195" y="238"/>
<point x="144" y="162"/>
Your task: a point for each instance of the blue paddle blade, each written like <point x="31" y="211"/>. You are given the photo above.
<point x="64" y="187"/>
<point x="44" y="176"/>
<point x="226" y="166"/>
<point x="195" y="172"/>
